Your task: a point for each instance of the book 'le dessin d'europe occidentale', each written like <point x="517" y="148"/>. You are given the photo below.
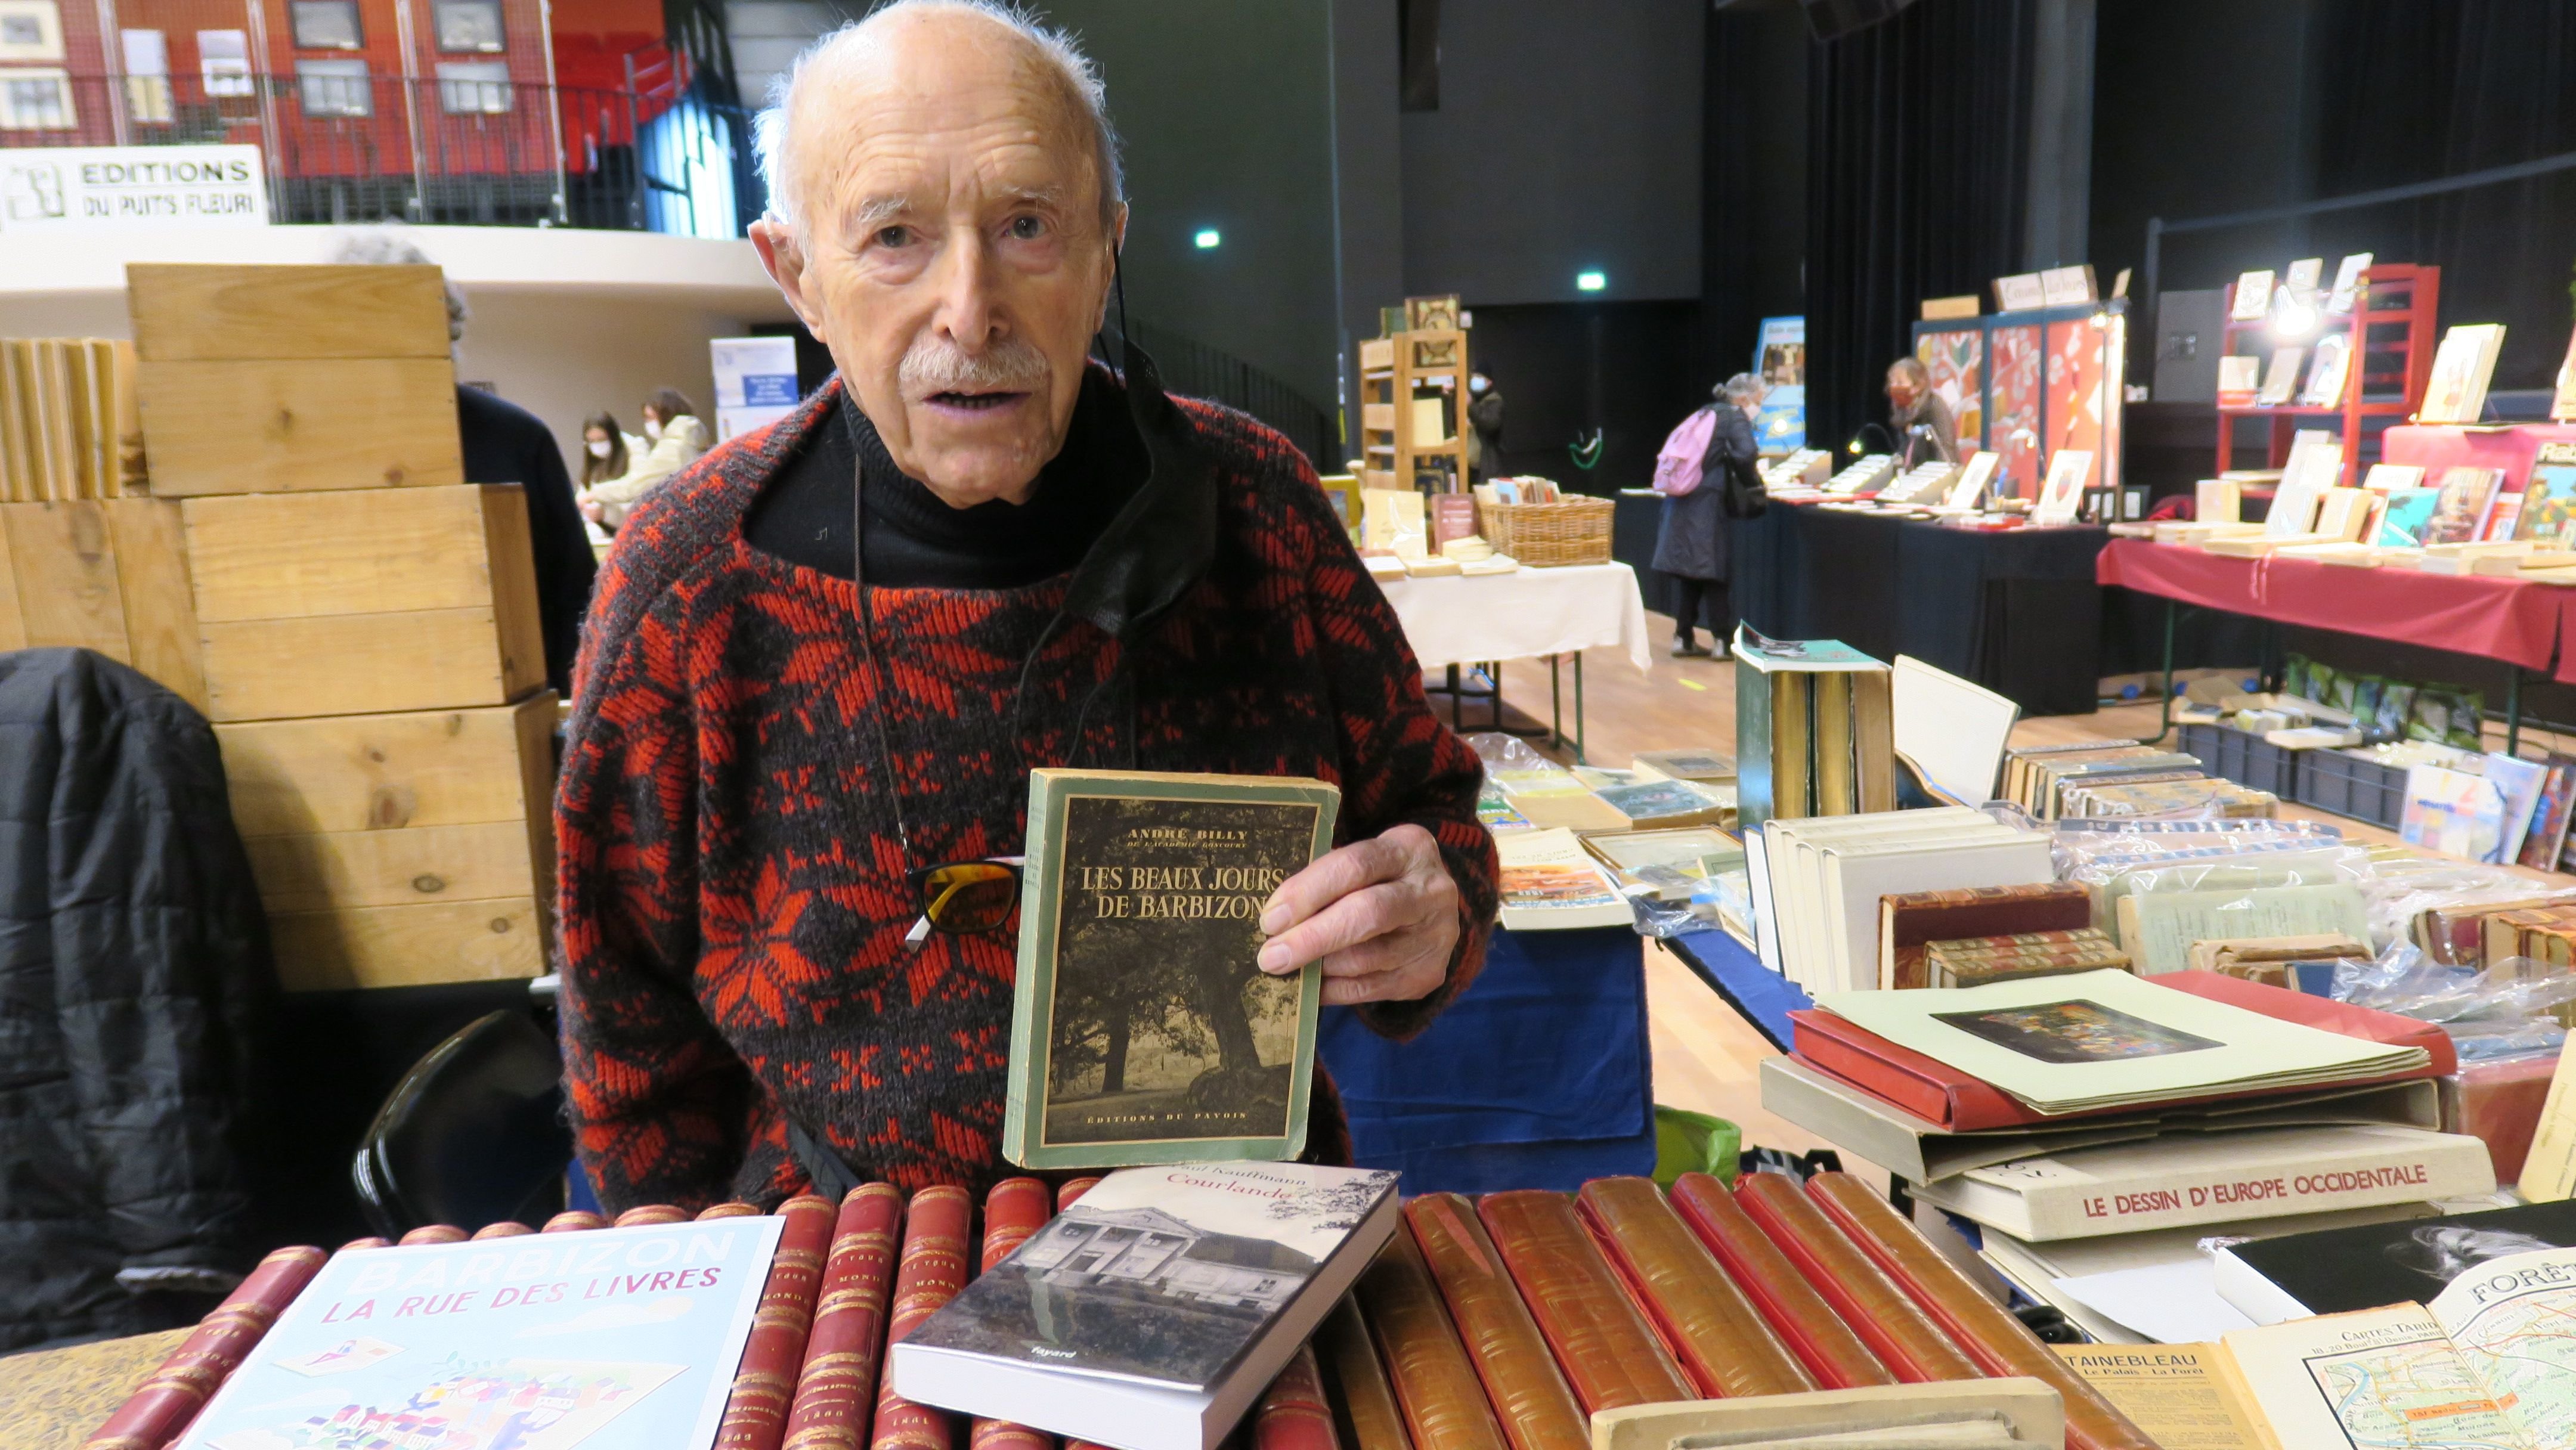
<point x="1142" y="1030"/>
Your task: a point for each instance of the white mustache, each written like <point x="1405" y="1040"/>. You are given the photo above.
<point x="1010" y="365"/>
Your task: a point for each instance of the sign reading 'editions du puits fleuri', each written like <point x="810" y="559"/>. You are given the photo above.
<point x="90" y="188"/>
<point x="1143" y="1031"/>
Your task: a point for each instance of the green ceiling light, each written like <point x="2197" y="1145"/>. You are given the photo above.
<point x="1207" y="239"/>
<point x="1591" y="281"/>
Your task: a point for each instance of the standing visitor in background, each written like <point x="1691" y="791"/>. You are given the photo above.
<point x="1918" y="417"/>
<point x="505" y="443"/>
<point x="1484" y="427"/>
<point x="676" y="438"/>
<point x="1693" y="546"/>
<point x="607" y="450"/>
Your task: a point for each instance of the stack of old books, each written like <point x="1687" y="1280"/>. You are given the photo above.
<point x="2122" y="778"/>
<point x="2100" y="1123"/>
<point x="1814" y="729"/>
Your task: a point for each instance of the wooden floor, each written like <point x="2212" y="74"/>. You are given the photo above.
<point x="1705" y="1054"/>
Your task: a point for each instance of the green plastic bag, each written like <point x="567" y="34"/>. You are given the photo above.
<point x="1687" y="1142"/>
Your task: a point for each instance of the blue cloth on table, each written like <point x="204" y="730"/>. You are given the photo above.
<point x="1538" y="1076"/>
<point x="1761" y="995"/>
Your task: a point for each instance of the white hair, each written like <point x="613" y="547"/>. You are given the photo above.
<point x="772" y="138"/>
<point x="387" y="247"/>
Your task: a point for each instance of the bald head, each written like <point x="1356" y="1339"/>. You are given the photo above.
<point x="923" y="47"/>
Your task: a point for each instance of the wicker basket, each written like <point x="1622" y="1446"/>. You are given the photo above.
<point x="1547" y="535"/>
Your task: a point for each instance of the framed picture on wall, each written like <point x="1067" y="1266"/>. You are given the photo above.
<point x="470" y="25"/>
<point x="30" y="30"/>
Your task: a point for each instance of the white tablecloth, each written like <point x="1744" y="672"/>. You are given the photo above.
<point x="1466" y="620"/>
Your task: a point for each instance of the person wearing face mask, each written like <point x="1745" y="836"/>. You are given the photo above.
<point x="1484" y="427"/>
<point x="1918" y="417"/>
<point x="825" y="660"/>
<point x="673" y="439"/>
<point x="606" y="449"/>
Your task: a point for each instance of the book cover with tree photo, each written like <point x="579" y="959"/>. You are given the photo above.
<point x="1143" y="1030"/>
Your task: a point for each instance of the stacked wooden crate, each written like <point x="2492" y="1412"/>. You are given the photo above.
<point x="365" y="621"/>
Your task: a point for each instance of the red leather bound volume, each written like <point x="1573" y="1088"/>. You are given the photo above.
<point x="1293" y="1413"/>
<point x="652" y="1213"/>
<point x="433" y="1233"/>
<point x="1603" y="1343"/>
<point x="164" y="1404"/>
<point x="1435" y="1384"/>
<point x="573" y="1221"/>
<point x="505" y="1229"/>
<point x="837" y="1386"/>
<point x="1521" y="1380"/>
<point x="1955" y="1102"/>
<point x="1822" y="1342"/>
<point x="931" y="1271"/>
<point x="1998" y="1342"/>
<point x="755" y="1413"/>
<point x="1895" y="1328"/>
<point x="1907" y="921"/>
<point x="1072" y="1191"/>
<point x="1358" y="1381"/>
<point x="365" y="1243"/>
<point x="1015" y="1209"/>
<point x="742" y="1210"/>
<point x="1715" y="1332"/>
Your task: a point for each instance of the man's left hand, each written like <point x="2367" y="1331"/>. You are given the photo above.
<point x="1381" y="916"/>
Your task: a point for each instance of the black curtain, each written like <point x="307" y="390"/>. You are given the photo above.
<point x="2419" y="89"/>
<point x="1917" y="175"/>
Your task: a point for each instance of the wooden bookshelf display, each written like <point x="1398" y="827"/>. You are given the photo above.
<point x="2393" y="335"/>
<point x="1408" y="381"/>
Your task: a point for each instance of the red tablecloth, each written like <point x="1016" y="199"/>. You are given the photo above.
<point x="2438" y="446"/>
<point x="2497" y="619"/>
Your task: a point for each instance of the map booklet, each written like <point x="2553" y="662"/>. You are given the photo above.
<point x="1143" y="1029"/>
<point x="616" y="1339"/>
<point x="1149" y="1314"/>
<point x="2488" y="1365"/>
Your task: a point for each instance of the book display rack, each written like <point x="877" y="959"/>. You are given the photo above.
<point x="2025" y="384"/>
<point x="2388" y="337"/>
<point x="1413" y="398"/>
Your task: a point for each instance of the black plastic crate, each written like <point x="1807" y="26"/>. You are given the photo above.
<point x="2244" y="757"/>
<point x="2351" y="785"/>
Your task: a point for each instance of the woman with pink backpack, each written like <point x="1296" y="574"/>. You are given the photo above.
<point x="1705" y="473"/>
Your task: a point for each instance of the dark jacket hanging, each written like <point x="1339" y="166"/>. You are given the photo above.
<point x="134" y="979"/>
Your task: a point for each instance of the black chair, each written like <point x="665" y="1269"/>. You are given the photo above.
<point x="472" y="1135"/>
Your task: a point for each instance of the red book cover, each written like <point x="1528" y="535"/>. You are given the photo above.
<point x="1822" y="1342"/>
<point x="1955" y="1102"/>
<point x="1603" y="1343"/>
<point x="1909" y="920"/>
<point x="573" y="1221"/>
<point x="1904" y="1338"/>
<point x="1435" y="1384"/>
<point x="1293" y="1413"/>
<point x="652" y="1213"/>
<point x="931" y="1271"/>
<point x="1015" y="1209"/>
<point x="505" y="1229"/>
<point x="837" y="1386"/>
<point x="2000" y="1344"/>
<point x="433" y="1233"/>
<point x="1521" y="1379"/>
<point x="755" y="1413"/>
<point x="1715" y="1332"/>
<point x="171" y="1397"/>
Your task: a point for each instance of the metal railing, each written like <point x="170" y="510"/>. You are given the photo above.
<point x="467" y="146"/>
<point x="1194" y="369"/>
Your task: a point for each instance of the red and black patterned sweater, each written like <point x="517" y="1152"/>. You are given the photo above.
<point x="732" y="897"/>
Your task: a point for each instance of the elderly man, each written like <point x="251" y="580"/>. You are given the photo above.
<point x="825" y="659"/>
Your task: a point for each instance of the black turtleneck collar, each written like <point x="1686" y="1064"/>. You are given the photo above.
<point x="914" y="540"/>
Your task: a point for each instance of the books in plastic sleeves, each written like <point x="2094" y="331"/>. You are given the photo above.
<point x="1149" y="1314"/>
<point x="1999" y="1342"/>
<point x="1142" y="902"/>
<point x="1721" y="1341"/>
<point x="2173" y="1182"/>
<point x="1918" y="1150"/>
<point x="1992" y="1413"/>
<point x="569" y="1335"/>
<point x="1522" y="1383"/>
<point x="1610" y="1354"/>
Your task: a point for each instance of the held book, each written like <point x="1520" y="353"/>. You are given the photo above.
<point x="2174" y="1183"/>
<point x="613" y="1339"/>
<point x="1141" y="910"/>
<point x="2106" y="1039"/>
<point x="1151" y="1313"/>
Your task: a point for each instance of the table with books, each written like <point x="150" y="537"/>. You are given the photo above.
<point x="1528" y="614"/>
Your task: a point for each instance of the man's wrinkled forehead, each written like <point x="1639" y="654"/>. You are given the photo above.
<point x="938" y="105"/>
